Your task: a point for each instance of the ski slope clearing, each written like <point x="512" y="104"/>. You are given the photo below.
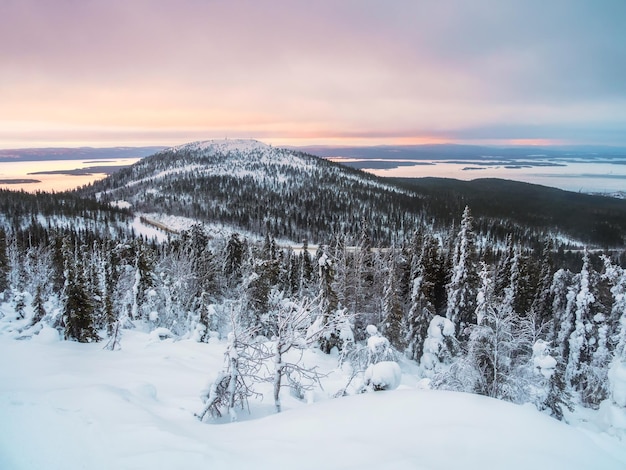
<point x="66" y="405"/>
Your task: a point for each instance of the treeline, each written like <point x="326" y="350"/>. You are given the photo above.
<point x="595" y="220"/>
<point x="540" y="326"/>
<point x="21" y="210"/>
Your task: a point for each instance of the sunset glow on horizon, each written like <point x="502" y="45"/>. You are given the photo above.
<point x="164" y="72"/>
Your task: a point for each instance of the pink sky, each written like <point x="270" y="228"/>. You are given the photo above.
<point x="157" y="72"/>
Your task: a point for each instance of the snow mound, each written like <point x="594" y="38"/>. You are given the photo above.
<point x="384" y="375"/>
<point x="160" y="334"/>
<point x="47" y="335"/>
<point x="617" y="378"/>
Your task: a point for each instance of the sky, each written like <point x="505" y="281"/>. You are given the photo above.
<point x="301" y="72"/>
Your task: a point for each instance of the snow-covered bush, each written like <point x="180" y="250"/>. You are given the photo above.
<point x="230" y="388"/>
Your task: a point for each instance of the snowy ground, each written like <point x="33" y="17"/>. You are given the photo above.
<point x="65" y="405"/>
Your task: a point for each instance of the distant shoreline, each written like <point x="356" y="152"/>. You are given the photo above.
<point x="19" y="181"/>
<point x="105" y="169"/>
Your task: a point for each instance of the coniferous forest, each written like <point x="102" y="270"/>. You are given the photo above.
<point x="318" y="257"/>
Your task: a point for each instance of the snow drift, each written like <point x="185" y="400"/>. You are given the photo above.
<point x="65" y="405"/>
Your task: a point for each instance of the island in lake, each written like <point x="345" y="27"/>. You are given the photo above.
<point x="19" y="181"/>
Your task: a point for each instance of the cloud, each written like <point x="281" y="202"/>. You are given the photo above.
<point x="357" y="67"/>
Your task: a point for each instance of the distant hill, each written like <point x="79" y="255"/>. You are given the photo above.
<point x="262" y="189"/>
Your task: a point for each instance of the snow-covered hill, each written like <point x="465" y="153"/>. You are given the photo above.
<point x="66" y="405"/>
<point x="258" y="189"/>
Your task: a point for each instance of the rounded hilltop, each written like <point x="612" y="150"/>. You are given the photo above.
<point x="222" y="145"/>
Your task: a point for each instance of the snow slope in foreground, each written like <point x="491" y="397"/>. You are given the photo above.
<point x="65" y="405"/>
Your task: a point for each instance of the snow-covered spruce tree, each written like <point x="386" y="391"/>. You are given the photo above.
<point x="38" y="270"/>
<point x="108" y="277"/>
<point x="328" y="302"/>
<point x="204" y="284"/>
<point x="393" y="316"/>
<point x="78" y="307"/>
<point x="464" y="282"/>
<point x="19" y="304"/>
<point x="502" y="277"/>
<point x="233" y="263"/>
<point x="307" y="269"/>
<point x="617" y="369"/>
<point x="440" y="349"/>
<point x="485" y="294"/>
<point x="342" y="267"/>
<point x="541" y="306"/>
<point x="4" y="264"/>
<point x="616" y="276"/>
<point x="496" y="350"/>
<point x="258" y="287"/>
<point x="563" y="291"/>
<point x="363" y="303"/>
<point x="492" y="348"/>
<point x="549" y="392"/>
<point x="17" y="276"/>
<point x="290" y="274"/>
<point x="588" y="358"/>
<point x="426" y="276"/>
<point x="382" y="371"/>
<point x="511" y="292"/>
<point x="39" y="311"/>
<point x="144" y="278"/>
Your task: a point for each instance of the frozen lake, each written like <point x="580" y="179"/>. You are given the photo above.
<point x="580" y="176"/>
<point x="56" y="175"/>
<point x="605" y="177"/>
